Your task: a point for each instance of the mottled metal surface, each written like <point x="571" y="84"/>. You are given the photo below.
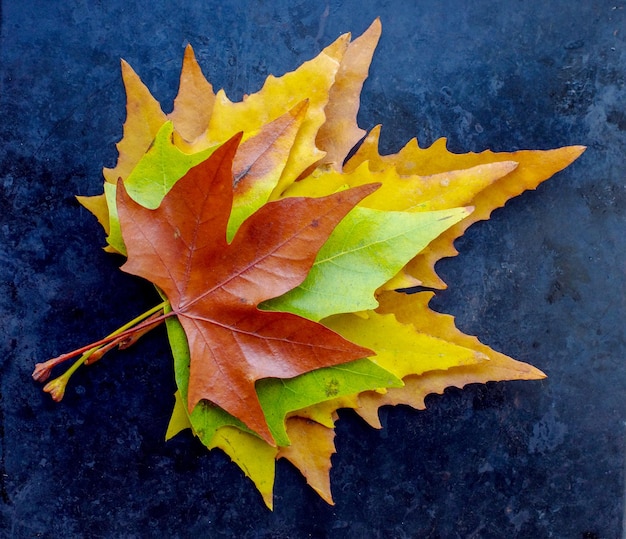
<point x="543" y="280"/>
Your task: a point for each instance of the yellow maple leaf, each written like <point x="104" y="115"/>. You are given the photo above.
<point x="312" y="81"/>
<point x="413" y="309"/>
<point x="533" y="167"/>
<point x="399" y="347"/>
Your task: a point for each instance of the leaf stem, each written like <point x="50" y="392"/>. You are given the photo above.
<point x="141" y="323"/>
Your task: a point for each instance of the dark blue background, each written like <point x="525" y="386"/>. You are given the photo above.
<point x="542" y="281"/>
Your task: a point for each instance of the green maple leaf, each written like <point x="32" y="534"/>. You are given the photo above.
<point x="365" y="250"/>
<point x="279" y="397"/>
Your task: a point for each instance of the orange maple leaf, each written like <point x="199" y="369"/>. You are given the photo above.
<point x="214" y="287"/>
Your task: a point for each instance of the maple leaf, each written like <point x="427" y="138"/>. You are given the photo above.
<point x="364" y="251"/>
<point x="214" y="287"/>
<point x="435" y="166"/>
<point x="311" y="81"/>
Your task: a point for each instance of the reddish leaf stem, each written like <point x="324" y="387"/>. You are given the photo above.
<point x="123" y="336"/>
<point x="125" y="341"/>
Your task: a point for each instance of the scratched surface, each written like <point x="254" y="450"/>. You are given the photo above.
<point x="542" y="281"/>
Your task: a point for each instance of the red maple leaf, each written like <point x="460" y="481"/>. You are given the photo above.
<point x="214" y="287"/>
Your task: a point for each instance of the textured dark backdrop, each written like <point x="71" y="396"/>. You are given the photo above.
<point x="542" y="281"/>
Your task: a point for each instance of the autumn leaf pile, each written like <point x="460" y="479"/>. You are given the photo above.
<point x="280" y="263"/>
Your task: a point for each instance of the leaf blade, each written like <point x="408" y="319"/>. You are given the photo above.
<point x="232" y="344"/>
<point x="280" y="397"/>
<point x="364" y="251"/>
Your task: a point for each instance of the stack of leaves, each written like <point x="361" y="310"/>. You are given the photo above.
<point x="281" y="263"/>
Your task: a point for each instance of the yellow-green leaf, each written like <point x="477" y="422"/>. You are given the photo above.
<point x="160" y="168"/>
<point x="279" y="397"/>
<point x="179" y="420"/>
<point x="365" y="250"/>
